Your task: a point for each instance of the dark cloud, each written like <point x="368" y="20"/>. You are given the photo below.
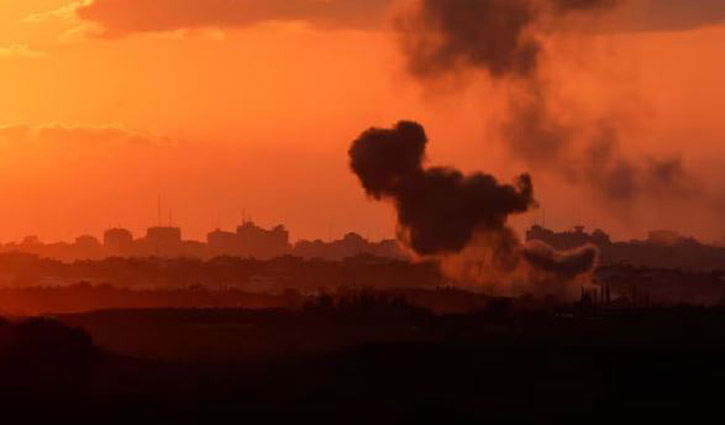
<point x="439" y="209"/>
<point x="496" y="35"/>
<point x="442" y="212"/>
<point x="444" y="35"/>
<point x="624" y="180"/>
<point x="120" y="17"/>
<point x="531" y="132"/>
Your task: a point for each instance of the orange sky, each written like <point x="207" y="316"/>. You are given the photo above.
<point x="258" y="118"/>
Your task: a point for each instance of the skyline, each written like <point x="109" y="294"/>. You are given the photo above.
<point x="332" y="235"/>
<point x="493" y="211"/>
<point x="259" y="117"/>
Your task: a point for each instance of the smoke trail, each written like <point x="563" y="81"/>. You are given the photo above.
<point x="505" y="39"/>
<point x="443" y="213"/>
<point x="443" y="35"/>
<point x="440" y="36"/>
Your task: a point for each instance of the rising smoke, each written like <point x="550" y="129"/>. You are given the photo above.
<point x="506" y="39"/>
<point x="459" y="219"/>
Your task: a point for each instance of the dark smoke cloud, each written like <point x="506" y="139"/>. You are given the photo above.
<point x="621" y="179"/>
<point x="504" y="38"/>
<point x="444" y="35"/>
<point x="442" y="212"/>
<point x="439" y="209"/>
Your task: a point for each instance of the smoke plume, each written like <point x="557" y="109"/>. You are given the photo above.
<point x="497" y="35"/>
<point x="443" y="213"/>
<point x="506" y="39"/>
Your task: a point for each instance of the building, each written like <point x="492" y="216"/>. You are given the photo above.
<point x="221" y="243"/>
<point x="248" y="241"/>
<point x="87" y="247"/>
<point x="118" y="241"/>
<point x="350" y="245"/>
<point x="260" y="243"/>
<point x="163" y="241"/>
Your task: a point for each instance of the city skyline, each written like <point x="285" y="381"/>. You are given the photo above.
<point x="332" y="234"/>
<point x="362" y="211"/>
<point x="246" y="116"/>
<point x="247" y="241"/>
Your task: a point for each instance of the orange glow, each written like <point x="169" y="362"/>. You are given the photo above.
<point x="250" y="119"/>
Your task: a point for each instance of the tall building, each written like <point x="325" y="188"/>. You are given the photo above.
<point x="163" y="241"/>
<point x="87" y="247"/>
<point x="118" y="241"/>
<point x="260" y="243"/>
<point x="220" y="243"/>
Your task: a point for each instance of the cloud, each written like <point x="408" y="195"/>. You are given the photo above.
<point x="665" y="15"/>
<point x="122" y="17"/>
<point x="63" y="135"/>
<point x="116" y="18"/>
<point x="439" y="209"/>
<point x="63" y="13"/>
<point x="21" y="51"/>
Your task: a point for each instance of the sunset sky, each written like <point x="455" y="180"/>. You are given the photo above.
<point x="248" y="108"/>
